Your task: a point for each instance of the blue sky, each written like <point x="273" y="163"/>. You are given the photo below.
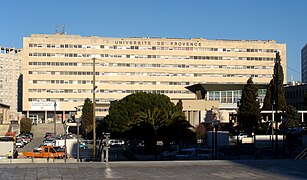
<point x="282" y="20"/>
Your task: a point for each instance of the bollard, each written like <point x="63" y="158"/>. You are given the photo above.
<point x="32" y="159"/>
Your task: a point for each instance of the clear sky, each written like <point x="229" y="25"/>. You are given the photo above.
<point x="282" y="20"/>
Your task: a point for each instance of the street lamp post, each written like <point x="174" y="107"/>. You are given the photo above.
<point x="54" y="121"/>
<point x="156" y="137"/>
<point x="215" y="125"/>
<point x="65" y="137"/>
<point x="94" y="110"/>
<point x="238" y="128"/>
<point x="78" y="138"/>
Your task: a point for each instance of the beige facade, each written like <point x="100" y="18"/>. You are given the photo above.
<point x="10" y="71"/>
<point x="4" y="114"/>
<point x="59" y="67"/>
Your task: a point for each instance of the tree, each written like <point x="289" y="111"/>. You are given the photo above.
<point x="201" y="131"/>
<point x="25" y="125"/>
<point x="179" y="105"/>
<point x="147" y="117"/>
<point x="292" y="117"/>
<point x="147" y="124"/>
<point x="122" y="113"/>
<point x="278" y="77"/>
<point x="87" y="117"/>
<point x="249" y="109"/>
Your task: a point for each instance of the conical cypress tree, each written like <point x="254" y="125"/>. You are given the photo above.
<point x="249" y="108"/>
<point x="269" y="97"/>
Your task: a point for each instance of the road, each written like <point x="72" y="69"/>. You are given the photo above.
<point x="219" y="169"/>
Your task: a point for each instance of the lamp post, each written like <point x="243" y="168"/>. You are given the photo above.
<point x="156" y="137"/>
<point x="238" y="128"/>
<point x="65" y="137"/>
<point x="54" y="121"/>
<point x="78" y="138"/>
<point x="94" y="110"/>
<point x="215" y="125"/>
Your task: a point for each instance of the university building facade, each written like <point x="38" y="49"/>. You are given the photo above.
<point x="59" y="68"/>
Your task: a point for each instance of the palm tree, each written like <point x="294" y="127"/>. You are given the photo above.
<point x="176" y="128"/>
<point x="146" y="124"/>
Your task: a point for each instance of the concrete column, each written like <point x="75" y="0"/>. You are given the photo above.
<point x="63" y="116"/>
<point x="302" y="117"/>
<point x="28" y="114"/>
<point x="46" y="117"/>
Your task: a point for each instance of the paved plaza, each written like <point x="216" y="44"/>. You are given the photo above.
<point x="220" y="169"/>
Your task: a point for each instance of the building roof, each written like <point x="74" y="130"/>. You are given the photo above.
<point x="4" y="106"/>
<point x="201" y="89"/>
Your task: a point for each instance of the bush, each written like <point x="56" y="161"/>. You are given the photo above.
<point x="25" y="125"/>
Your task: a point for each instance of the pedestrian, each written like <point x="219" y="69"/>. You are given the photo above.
<point x="15" y="154"/>
<point x="9" y="155"/>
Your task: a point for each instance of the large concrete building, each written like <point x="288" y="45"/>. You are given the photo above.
<point x="10" y="71"/>
<point x="59" y="68"/>
<point x="304" y="64"/>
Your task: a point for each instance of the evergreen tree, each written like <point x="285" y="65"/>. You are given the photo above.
<point x="25" y="125"/>
<point x="87" y="117"/>
<point x="269" y="97"/>
<point x="179" y="105"/>
<point x="148" y="117"/>
<point x="292" y="117"/>
<point x="249" y="108"/>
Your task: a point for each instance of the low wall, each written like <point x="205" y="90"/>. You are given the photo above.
<point x="36" y="160"/>
<point x="5" y="147"/>
<point x="266" y="140"/>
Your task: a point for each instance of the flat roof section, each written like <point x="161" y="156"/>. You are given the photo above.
<point x="201" y="89"/>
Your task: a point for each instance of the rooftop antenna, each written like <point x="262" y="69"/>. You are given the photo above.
<point x="56" y="29"/>
<point x="63" y="29"/>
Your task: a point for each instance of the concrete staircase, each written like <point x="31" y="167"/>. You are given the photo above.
<point x="40" y="130"/>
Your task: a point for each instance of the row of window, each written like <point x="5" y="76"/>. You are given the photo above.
<point x="67" y="100"/>
<point x="295" y="94"/>
<point x="53" y="64"/>
<point x="231" y="97"/>
<point x="107" y="91"/>
<point x="107" y="82"/>
<point x="159" y="74"/>
<point x="222" y="96"/>
<point x="59" y="55"/>
<point x="149" y="65"/>
<point x="135" y="56"/>
<point x="79" y="46"/>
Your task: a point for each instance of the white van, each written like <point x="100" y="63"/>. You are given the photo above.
<point x="116" y="142"/>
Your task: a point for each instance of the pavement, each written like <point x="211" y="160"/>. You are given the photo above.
<point x="205" y="169"/>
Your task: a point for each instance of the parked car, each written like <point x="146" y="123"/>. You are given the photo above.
<point x="116" y="142"/>
<point x="171" y="153"/>
<point x="39" y="148"/>
<point x="242" y="135"/>
<point x="19" y="144"/>
<point x="189" y="153"/>
<point x="82" y="145"/>
<point x="48" y="142"/>
<point x="204" y="154"/>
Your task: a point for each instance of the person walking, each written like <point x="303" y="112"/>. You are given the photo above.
<point x="15" y="153"/>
